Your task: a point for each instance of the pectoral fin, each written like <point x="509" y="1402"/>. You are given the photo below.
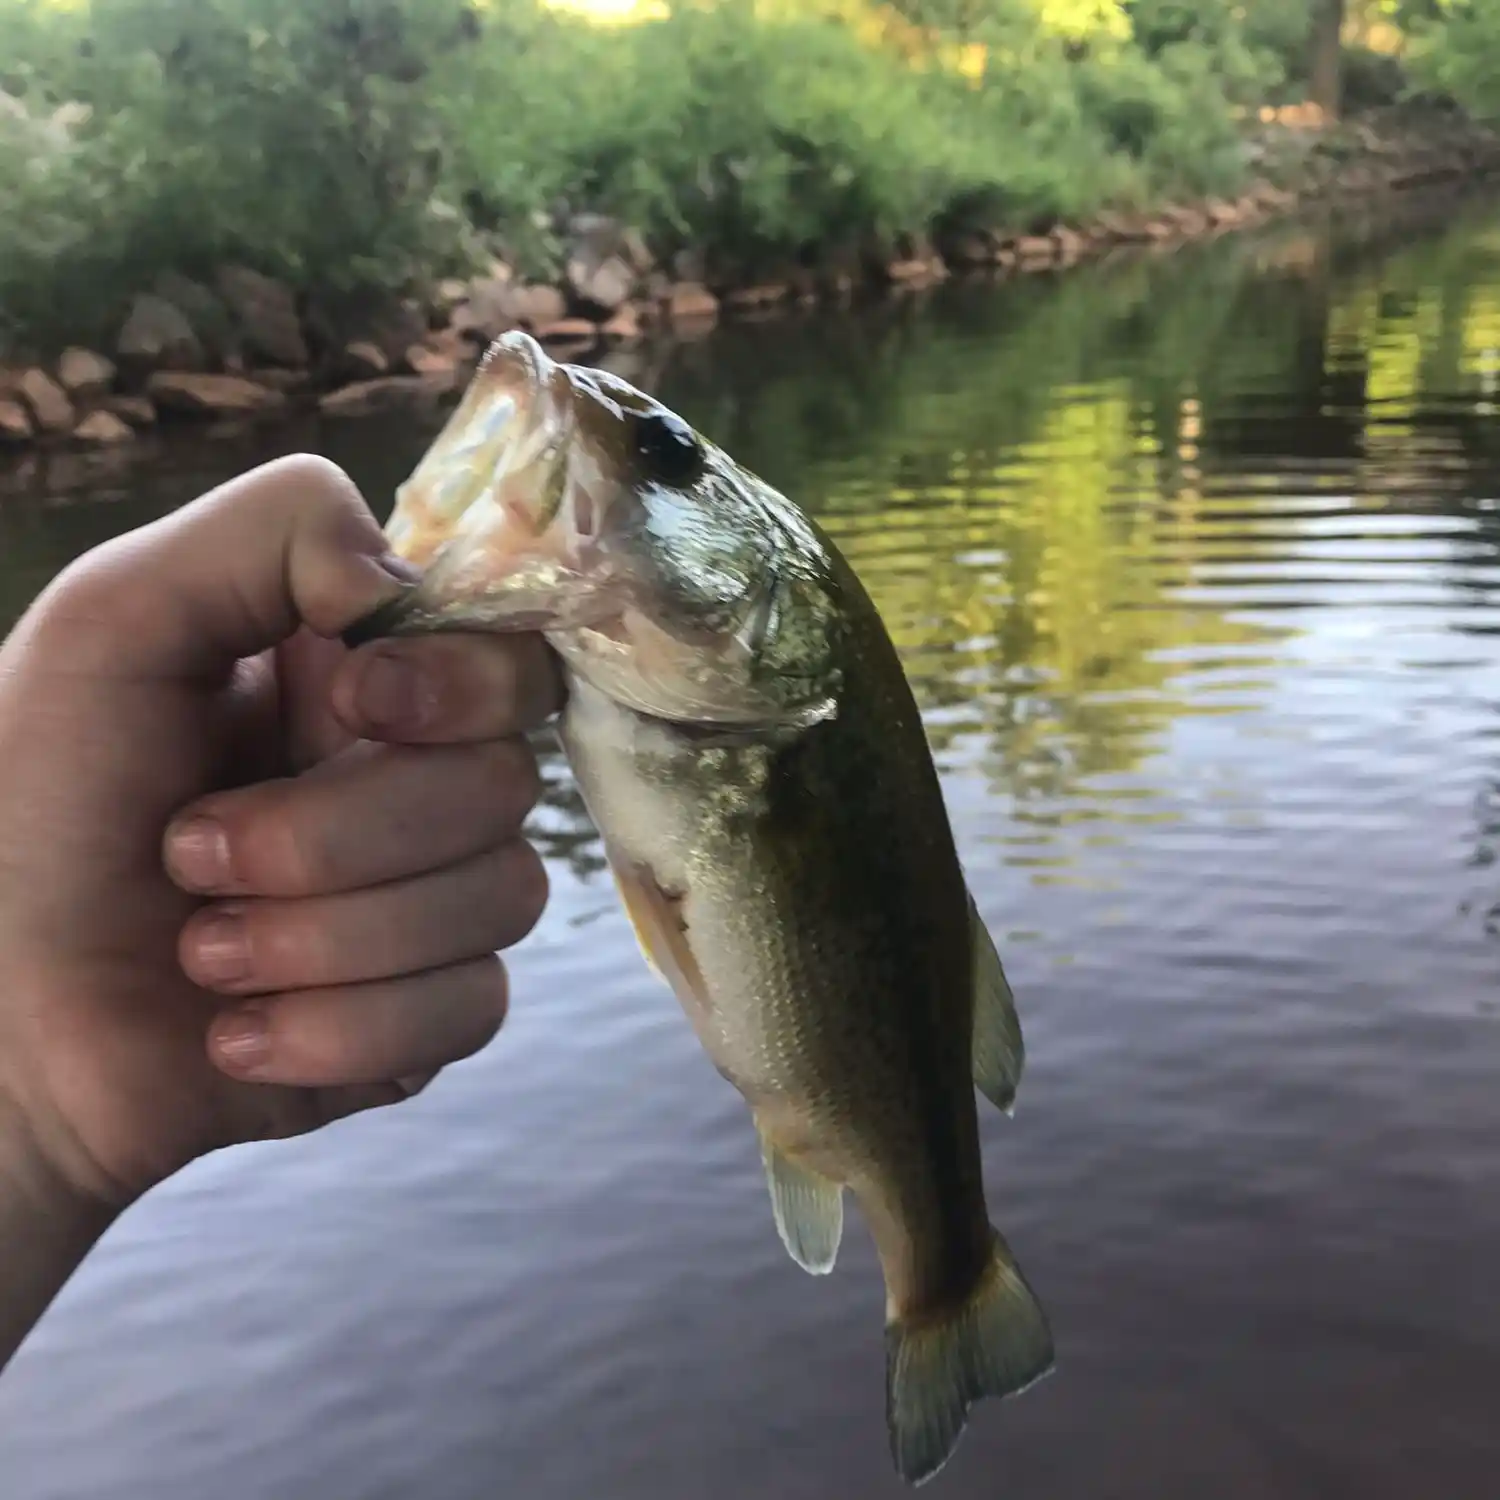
<point x="999" y="1051"/>
<point x="809" y="1209"/>
<point x="661" y="930"/>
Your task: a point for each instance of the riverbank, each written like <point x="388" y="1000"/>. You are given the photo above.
<point x="240" y="348"/>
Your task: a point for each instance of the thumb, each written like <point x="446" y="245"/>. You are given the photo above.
<point x="227" y="576"/>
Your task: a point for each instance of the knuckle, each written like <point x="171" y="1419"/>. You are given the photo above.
<point x="527" y="887"/>
<point x="491" y="980"/>
<point x="538" y="681"/>
<point x="516" y="776"/>
<point x="277" y="851"/>
<point x="290" y="949"/>
<point x="313" y="475"/>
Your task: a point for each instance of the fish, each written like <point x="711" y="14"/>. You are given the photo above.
<point x="745" y="740"/>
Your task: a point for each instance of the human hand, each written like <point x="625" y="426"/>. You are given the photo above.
<point x="228" y="911"/>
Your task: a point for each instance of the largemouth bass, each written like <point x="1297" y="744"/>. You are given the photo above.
<point x="745" y="740"/>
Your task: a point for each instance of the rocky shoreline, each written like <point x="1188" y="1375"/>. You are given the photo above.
<point x="240" y="349"/>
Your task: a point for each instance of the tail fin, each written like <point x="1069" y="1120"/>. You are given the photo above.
<point x="995" y="1344"/>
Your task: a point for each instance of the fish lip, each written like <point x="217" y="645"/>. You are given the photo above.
<point x="514" y="369"/>
<point x="384" y="620"/>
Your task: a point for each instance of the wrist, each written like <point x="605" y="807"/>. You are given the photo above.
<point x="48" y="1224"/>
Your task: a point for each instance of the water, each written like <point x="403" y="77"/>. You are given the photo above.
<point x="1195" y="563"/>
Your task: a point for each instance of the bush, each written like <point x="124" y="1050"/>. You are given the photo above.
<point x="298" y="137"/>
<point x="350" y="144"/>
<point x="1456" y="53"/>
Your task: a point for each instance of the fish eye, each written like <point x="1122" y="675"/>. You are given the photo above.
<point x="668" y="449"/>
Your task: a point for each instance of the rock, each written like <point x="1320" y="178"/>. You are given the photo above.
<point x="495" y="307"/>
<point x="136" y="410"/>
<point x="1271" y="196"/>
<point x="1071" y="246"/>
<point x="15" y="423"/>
<point x="656" y="288"/>
<point x="971" y="248"/>
<point x="450" y="341"/>
<point x="393" y="393"/>
<point x="691" y="302"/>
<point x="688" y="265"/>
<point x="1188" y="220"/>
<point x="624" y="326"/>
<point x="636" y="251"/>
<point x="537" y="306"/>
<point x="1032" y="248"/>
<point x="364" y="360"/>
<point x="265" y="312"/>
<point x="157" y="336"/>
<point x="604" y="262"/>
<point x="423" y="360"/>
<point x="50" y="408"/>
<point x="206" y="314"/>
<point x="102" y="429"/>
<point x="282" y="380"/>
<point x="85" y="375"/>
<point x="766" y="295"/>
<point x="915" y="272"/>
<point x="448" y="294"/>
<point x="391" y="324"/>
<point x="486" y="313"/>
<point x="569" y="331"/>
<point x="1129" y="228"/>
<point x="211" y="395"/>
<point x="602" y="284"/>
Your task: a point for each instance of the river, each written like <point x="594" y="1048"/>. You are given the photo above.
<point x="1194" y="561"/>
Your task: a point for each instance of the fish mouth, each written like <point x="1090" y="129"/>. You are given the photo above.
<point x="479" y="515"/>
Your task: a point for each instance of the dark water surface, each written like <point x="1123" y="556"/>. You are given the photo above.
<point x="1195" y="563"/>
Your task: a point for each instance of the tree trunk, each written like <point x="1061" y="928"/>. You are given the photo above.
<point x="1325" y="82"/>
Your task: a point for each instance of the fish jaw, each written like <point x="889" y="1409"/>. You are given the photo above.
<point x="492" y="516"/>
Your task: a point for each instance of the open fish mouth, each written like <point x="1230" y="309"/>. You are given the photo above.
<point x="480" y="515"/>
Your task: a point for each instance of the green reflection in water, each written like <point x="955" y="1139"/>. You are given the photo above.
<point x="1083" y="504"/>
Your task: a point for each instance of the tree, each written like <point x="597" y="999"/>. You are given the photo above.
<point x="1325" y="82"/>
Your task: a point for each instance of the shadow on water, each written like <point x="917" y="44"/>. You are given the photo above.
<point x="1194" y="562"/>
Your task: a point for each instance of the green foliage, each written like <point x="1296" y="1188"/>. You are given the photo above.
<point x="354" y="144"/>
<point x="1456" y="52"/>
<point x="1253" y="49"/>
<point x="765" y="136"/>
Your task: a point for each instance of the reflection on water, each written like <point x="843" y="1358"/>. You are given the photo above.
<point x="1195" y="564"/>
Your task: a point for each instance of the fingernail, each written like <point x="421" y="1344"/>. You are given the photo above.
<point x="199" y="854"/>
<point x="221" y="948"/>
<point x="241" y="1039"/>
<point x="393" y="693"/>
<point x="399" y="569"/>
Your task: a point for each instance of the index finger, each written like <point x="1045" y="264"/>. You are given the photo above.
<point x="447" y="689"/>
<point x="226" y="577"/>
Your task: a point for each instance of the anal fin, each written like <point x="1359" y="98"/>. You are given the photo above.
<point x="999" y="1050"/>
<point x="809" y="1209"/>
